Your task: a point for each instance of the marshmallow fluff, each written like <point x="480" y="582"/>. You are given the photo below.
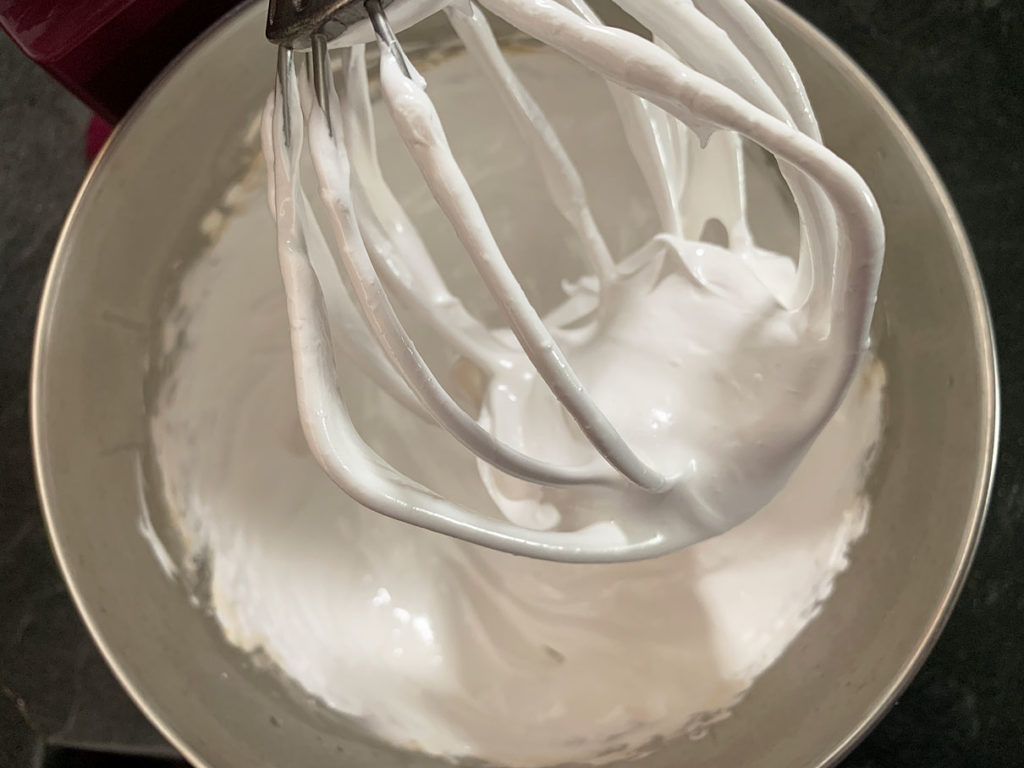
<point x="437" y="645"/>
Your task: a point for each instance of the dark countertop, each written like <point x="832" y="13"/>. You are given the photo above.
<point x="954" y="68"/>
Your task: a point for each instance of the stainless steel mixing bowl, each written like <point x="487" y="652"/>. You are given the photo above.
<point x="137" y="219"/>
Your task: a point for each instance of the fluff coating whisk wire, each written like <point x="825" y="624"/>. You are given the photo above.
<point x="714" y="67"/>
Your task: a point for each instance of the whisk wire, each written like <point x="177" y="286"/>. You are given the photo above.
<point x="386" y="35"/>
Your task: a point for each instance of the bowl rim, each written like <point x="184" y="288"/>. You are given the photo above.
<point x="979" y="310"/>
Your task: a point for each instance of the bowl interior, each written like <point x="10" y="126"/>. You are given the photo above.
<point x="139" y="219"/>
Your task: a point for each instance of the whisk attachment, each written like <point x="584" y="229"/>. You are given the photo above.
<point x="347" y="301"/>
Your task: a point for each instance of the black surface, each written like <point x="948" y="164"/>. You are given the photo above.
<point x="953" y="68"/>
<point x="53" y="683"/>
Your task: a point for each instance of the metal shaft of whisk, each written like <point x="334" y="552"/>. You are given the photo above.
<point x="285" y="63"/>
<point x="321" y="71"/>
<point x="386" y="35"/>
